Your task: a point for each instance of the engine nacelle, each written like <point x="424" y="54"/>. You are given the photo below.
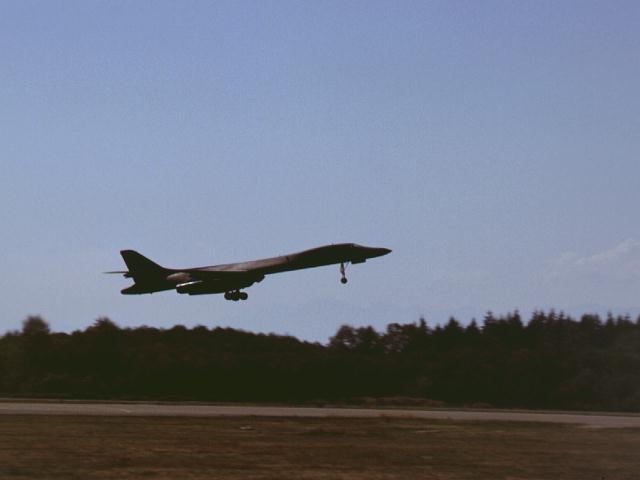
<point x="201" y="287"/>
<point x="198" y="288"/>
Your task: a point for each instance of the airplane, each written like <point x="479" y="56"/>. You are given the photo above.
<point x="231" y="278"/>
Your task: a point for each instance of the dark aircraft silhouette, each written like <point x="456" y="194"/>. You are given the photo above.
<point x="149" y="277"/>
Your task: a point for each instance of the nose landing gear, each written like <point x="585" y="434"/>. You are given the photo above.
<point x="343" y="280"/>
<point x="236" y="295"/>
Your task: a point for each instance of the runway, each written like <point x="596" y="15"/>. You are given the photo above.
<point x="199" y="410"/>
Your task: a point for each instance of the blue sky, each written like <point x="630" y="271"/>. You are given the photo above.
<point x="494" y="146"/>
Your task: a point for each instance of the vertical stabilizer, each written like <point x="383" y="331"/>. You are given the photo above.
<point x="139" y="265"/>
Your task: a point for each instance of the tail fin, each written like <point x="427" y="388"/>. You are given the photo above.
<point x="139" y="265"/>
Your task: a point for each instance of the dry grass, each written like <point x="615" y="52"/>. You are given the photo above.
<point x="303" y="448"/>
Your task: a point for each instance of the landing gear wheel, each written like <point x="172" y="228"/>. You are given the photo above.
<point x="343" y="280"/>
<point x="236" y="295"/>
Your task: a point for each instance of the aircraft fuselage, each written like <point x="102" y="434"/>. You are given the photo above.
<point x="229" y="278"/>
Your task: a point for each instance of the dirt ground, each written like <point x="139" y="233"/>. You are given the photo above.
<point x="80" y="447"/>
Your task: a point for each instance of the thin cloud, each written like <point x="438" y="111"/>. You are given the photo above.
<point x="620" y="263"/>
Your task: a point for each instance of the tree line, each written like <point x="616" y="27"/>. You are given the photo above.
<point x="552" y="361"/>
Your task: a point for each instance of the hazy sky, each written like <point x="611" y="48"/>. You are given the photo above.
<point x="494" y="146"/>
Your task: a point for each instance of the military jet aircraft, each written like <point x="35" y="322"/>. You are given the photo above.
<point x="231" y="278"/>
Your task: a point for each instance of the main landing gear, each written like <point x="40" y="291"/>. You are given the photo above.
<point x="236" y="295"/>
<point x="343" y="280"/>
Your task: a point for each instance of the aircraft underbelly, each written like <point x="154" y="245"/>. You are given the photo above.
<point x="201" y="287"/>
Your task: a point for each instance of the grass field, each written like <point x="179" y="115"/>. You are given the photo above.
<point x="303" y="448"/>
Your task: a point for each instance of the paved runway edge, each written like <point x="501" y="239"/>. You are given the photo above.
<point x="186" y="410"/>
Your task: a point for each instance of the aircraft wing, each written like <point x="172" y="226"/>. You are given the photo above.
<point x="205" y="275"/>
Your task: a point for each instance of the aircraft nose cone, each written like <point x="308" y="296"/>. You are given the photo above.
<point x="378" y="252"/>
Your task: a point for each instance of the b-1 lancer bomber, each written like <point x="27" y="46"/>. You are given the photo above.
<point x="230" y="279"/>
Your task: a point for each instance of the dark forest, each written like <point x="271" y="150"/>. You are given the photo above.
<point x="551" y="361"/>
